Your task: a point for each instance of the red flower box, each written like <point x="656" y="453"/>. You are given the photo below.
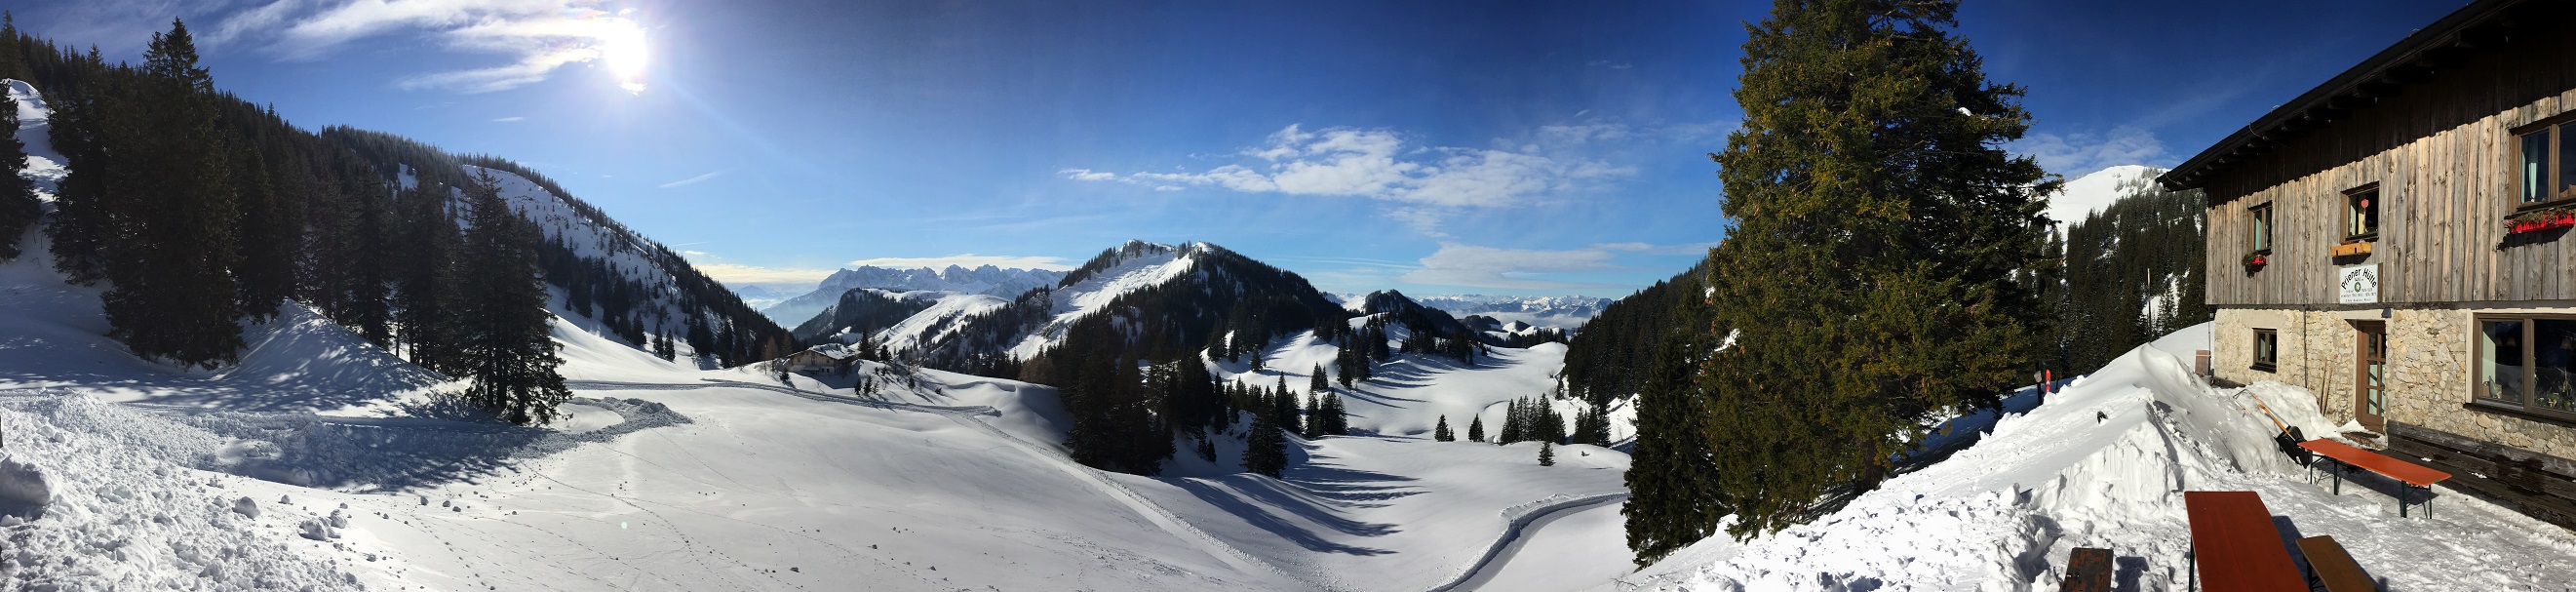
<point x="2546" y="221"/>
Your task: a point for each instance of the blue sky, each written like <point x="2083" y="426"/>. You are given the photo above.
<point x="1437" y="147"/>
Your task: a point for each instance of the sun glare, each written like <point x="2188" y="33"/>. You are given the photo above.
<point x="622" y="47"/>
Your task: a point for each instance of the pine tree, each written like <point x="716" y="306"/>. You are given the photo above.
<point x="1265" y="450"/>
<point x="1440" y="431"/>
<point x="171" y="203"/>
<point x="426" y="289"/>
<point x="1316" y="382"/>
<point x="508" y="349"/>
<point x="1546" y="453"/>
<point x="1476" y="429"/>
<point x="18" y="205"/>
<point x="1314" y="417"/>
<point x="1878" y="231"/>
<point x="1337" y="420"/>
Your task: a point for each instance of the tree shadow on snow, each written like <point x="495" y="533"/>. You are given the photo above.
<point x="1239" y="501"/>
<point x="439" y="444"/>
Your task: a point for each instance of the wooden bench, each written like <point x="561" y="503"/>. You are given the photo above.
<point x="2328" y="564"/>
<point x="2235" y="545"/>
<point x="2087" y="570"/>
<point x="2410" y="475"/>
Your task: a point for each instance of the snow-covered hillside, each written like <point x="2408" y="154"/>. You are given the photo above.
<point x="347" y="474"/>
<point x="1139" y="265"/>
<point x="2103" y="464"/>
<point x="987" y="280"/>
<point x="35" y="131"/>
<point x="2082" y="196"/>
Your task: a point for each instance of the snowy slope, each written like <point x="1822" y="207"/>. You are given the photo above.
<point x="2103" y="464"/>
<point x="632" y="255"/>
<point x="933" y="324"/>
<point x="35" y="131"/>
<point x="1141" y="265"/>
<point x="2082" y="196"/>
<point x="666" y="477"/>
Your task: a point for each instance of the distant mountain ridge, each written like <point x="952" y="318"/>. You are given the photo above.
<point x="987" y="280"/>
<point x="1562" y="312"/>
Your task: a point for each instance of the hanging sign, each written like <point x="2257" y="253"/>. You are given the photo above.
<point x="2359" y="284"/>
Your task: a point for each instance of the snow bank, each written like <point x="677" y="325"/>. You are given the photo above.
<point x="126" y="513"/>
<point x="2104" y="464"/>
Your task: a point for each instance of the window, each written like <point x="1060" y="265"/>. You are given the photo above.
<point x="2267" y="349"/>
<point x="2262" y="228"/>
<point x="2363" y="206"/>
<point x="2549" y="163"/>
<point x="2527" y="363"/>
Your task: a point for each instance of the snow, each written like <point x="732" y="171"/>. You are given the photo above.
<point x="2082" y="196"/>
<point x="2103" y="464"/>
<point x="664" y="476"/>
<point x="35" y="131"/>
<point x="986" y="280"/>
<point x="934" y="324"/>
<point x="1155" y="265"/>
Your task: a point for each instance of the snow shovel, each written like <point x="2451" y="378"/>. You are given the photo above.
<point x="2289" y="438"/>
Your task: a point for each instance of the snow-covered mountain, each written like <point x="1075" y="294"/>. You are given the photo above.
<point x="2082" y="196"/>
<point x="988" y="280"/>
<point x="759" y="297"/>
<point x="1186" y="290"/>
<point x="1561" y="312"/>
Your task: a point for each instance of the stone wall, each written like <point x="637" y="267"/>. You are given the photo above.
<point x="2429" y="352"/>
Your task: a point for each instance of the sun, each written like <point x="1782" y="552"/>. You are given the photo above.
<point x="622" y="47"/>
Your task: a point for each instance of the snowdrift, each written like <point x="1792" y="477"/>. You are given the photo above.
<point x="2104" y="464"/>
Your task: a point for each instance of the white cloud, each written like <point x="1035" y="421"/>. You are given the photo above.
<point x="2074" y="155"/>
<point x="510" y="119"/>
<point x="738" y="274"/>
<point x="969" y="260"/>
<point x="694" y="180"/>
<point x="1087" y="175"/>
<point x="1518" y="269"/>
<point x="542" y="36"/>
<point x="1380" y="165"/>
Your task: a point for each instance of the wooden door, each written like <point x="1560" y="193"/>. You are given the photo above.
<point x="2370" y="383"/>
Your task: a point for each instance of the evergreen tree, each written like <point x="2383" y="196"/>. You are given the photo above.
<point x="18" y="205"/>
<point x="1265" y="450"/>
<point x="170" y="208"/>
<point x="1879" y="228"/>
<point x="1476" y="429"/>
<point x="1440" y="431"/>
<point x="426" y="290"/>
<point x="1314" y="417"/>
<point x="505" y="333"/>
<point x="1316" y="382"/>
<point x="1546" y="453"/>
<point x="1337" y="421"/>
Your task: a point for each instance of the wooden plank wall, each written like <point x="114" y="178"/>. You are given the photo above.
<point x="2444" y="157"/>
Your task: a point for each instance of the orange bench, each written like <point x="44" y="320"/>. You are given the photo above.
<point x="2235" y="545"/>
<point x="2413" y="476"/>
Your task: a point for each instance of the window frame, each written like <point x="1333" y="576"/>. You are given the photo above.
<point x="2262" y="226"/>
<point x="2262" y="365"/>
<point x="2551" y="133"/>
<point x="2352" y="217"/>
<point x="2529" y="406"/>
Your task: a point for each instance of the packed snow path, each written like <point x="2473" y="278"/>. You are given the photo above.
<point x="1523" y="520"/>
